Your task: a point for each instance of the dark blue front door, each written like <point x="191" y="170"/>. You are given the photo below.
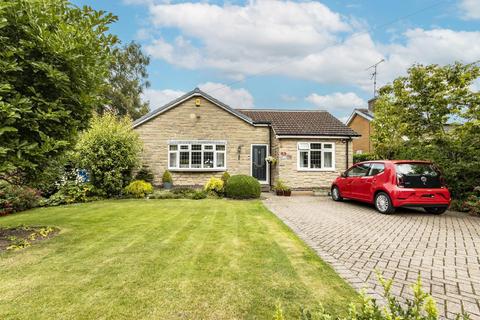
<point x="259" y="165"/>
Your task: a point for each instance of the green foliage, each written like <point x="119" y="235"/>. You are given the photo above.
<point x="167" y="177"/>
<point x="433" y="114"/>
<point x="71" y="192"/>
<point x="139" y="189"/>
<point x="280" y="185"/>
<point x="179" y="193"/>
<point x="214" y="185"/>
<point x="421" y="307"/>
<point x="145" y="174"/>
<point x="363" y="157"/>
<point x="242" y="187"/>
<point x="473" y="202"/>
<point x="127" y="79"/>
<point x="15" y="198"/>
<point x="109" y="150"/>
<point x="54" y="61"/>
<point x="225" y="177"/>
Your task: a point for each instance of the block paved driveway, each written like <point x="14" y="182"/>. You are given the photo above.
<point x="356" y="241"/>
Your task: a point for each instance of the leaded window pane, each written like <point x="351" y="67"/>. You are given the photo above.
<point x="315" y="159"/>
<point x="184" y="159"/>
<point x="196" y="159"/>
<point x="208" y="159"/>
<point x="316" y="146"/>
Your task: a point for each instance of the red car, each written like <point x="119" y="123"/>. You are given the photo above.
<point x="392" y="184"/>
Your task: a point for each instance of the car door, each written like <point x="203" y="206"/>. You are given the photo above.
<point x="357" y="183"/>
<point x="366" y="184"/>
<point x="350" y="176"/>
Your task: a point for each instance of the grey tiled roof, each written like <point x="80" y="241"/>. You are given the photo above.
<point x="366" y="112"/>
<point x="304" y="123"/>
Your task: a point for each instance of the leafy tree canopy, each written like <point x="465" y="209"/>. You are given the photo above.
<point x="433" y="113"/>
<point x="127" y="79"/>
<point x="54" y="59"/>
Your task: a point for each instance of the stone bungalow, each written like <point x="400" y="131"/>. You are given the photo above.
<point x="196" y="137"/>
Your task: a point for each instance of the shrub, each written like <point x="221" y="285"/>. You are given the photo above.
<point x="145" y="174"/>
<point x="225" y="177"/>
<point x="473" y="202"/>
<point x="359" y="157"/>
<point x="422" y="307"/>
<point x="214" y="185"/>
<point x="242" y="187"/>
<point x="179" y="193"/>
<point x="17" y="198"/>
<point x="72" y="192"/>
<point x="162" y="194"/>
<point x="167" y="177"/>
<point x="139" y="189"/>
<point x="182" y="190"/>
<point x="110" y="151"/>
<point x="197" y="195"/>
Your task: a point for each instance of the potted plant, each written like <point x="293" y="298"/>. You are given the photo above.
<point x="279" y="187"/>
<point x="287" y="192"/>
<point x="271" y="160"/>
<point x="167" y="180"/>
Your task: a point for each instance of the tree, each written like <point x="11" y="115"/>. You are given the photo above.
<point x="433" y="114"/>
<point x="109" y="150"/>
<point x="54" y="60"/>
<point x="127" y="79"/>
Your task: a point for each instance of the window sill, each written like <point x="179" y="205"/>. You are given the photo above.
<point x="316" y="170"/>
<point x="197" y="169"/>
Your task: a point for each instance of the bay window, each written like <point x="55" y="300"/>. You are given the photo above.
<point x="316" y="156"/>
<point x="196" y="155"/>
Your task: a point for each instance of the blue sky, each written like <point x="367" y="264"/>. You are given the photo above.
<point x="291" y="55"/>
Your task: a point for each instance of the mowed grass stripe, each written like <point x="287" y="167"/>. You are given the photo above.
<point x="168" y="259"/>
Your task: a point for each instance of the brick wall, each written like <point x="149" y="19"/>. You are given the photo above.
<point x="206" y="122"/>
<point x="363" y="127"/>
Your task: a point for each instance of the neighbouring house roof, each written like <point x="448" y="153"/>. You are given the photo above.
<point x="300" y="122"/>
<point x="364" y="113"/>
<point x="194" y="93"/>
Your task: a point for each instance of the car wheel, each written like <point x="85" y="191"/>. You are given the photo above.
<point x="336" y="194"/>
<point x="383" y="203"/>
<point x="435" y="210"/>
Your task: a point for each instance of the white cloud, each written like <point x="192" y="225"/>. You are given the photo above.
<point x="336" y="102"/>
<point x="471" y="9"/>
<point x="236" y="98"/>
<point x="303" y="40"/>
<point x="158" y="98"/>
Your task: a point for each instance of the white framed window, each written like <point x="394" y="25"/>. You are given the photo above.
<point x="197" y="155"/>
<point x="316" y="156"/>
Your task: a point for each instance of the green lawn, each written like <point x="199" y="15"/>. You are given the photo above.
<point x="164" y="259"/>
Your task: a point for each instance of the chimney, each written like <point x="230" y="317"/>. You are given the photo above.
<point x="371" y="104"/>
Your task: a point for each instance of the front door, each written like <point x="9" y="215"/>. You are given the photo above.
<point x="259" y="165"/>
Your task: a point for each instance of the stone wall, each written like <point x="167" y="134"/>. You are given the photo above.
<point x="288" y="171"/>
<point x="205" y="122"/>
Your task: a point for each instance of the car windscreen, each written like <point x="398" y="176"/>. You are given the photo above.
<point x="419" y="175"/>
